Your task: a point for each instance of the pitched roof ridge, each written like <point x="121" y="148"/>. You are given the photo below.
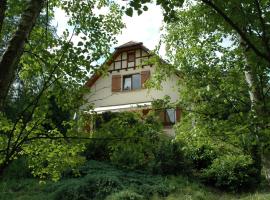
<point x="128" y="44"/>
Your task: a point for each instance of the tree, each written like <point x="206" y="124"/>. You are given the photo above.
<point x="246" y="21"/>
<point x="246" y="26"/>
<point x="45" y="67"/>
<point x="10" y="58"/>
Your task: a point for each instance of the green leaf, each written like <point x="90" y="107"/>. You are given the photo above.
<point x="129" y="12"/>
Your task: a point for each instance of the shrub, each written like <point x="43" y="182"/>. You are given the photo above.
<point x="202" y="156"/>
<point x="125" y="195"/>
<point x="90" y="187"/>
<point x="132" y="141"/>
<point x="18" y="169"/>
<point x="231" y="172"/>
<point x="170" y="158"/>
<point x="129" y="141"/>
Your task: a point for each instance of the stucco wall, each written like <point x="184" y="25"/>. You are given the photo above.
<point x="101" y="95"/>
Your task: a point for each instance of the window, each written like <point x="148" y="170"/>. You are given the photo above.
<point x="170" y="116"/>
<point x="132" y="82"/>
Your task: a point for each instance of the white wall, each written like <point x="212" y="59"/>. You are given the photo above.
<point x="101" y="94"/>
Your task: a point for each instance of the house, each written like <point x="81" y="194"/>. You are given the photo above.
<point x="122" y="88"/>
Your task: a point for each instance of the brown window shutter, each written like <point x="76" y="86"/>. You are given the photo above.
<point x="178" y="114"/>
<point x="144" y="77"/>
<point x="162" y="116"/>
<point x="116" y="83"/>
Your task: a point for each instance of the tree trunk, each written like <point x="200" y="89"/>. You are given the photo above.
<point x="256" y="107"/>
<point x="254" y="91"/>
<point x="3" y="167"/>
<point x="3" y="7"/>
<point x="11" y="57"/>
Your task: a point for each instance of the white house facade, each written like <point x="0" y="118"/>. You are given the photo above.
<point x="122" y="88"/>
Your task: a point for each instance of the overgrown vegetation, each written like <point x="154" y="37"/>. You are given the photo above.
<point x="143" y="146"/>
<point x="99" y="180"/>
<point x="132" y="141"/>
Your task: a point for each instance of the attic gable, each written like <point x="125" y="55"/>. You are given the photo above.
<point x="129" y="55"/>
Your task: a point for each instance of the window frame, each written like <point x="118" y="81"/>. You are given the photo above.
<point x="131" y="84"/>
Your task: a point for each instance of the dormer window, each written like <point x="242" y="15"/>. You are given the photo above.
<point x="131" y="82"/>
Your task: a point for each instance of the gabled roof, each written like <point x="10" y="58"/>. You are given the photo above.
<point x="131" y="45"/>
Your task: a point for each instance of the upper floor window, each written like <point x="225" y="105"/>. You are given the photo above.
<point x="132" y="82"/>
<point x="129" y="82"/>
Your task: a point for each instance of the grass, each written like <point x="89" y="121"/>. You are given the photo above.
<point x="102" y="181"/>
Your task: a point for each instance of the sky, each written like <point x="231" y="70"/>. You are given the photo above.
<point x="145" y="28"/>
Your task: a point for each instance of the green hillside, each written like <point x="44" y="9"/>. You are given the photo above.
<point x="99" y="180"/>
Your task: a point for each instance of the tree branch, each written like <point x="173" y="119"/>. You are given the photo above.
<point x="264" y="35"/>
<point x="78" y="138"/>
<point x="237" y="29"/>
<point x="13" y="147"/>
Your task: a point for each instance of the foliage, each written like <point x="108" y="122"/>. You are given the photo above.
<point x="132" y="184"/>
<point x="92" y="187"/>
<point x="232" y="173"/>
<point x="99" y="173"/>
<point x="43" y="158"/>
<point x="126" y="139"/>
<point x="220" y="51"/>
<point x="221" y="163"/>
<point x="170" y="158"/>
<point x="125" y="195"/>
<point x="129" y="141"/>
<point x="223" y="84"/>
<point x="49" y="79"/>
<point x="18" y="169"/>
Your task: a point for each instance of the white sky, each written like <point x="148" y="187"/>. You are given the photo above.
<point x="144" y="28"/>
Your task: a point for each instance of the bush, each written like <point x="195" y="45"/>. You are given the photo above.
<point x="18" y="169"/>
<point x="170" y="158"/>
<point x="231" y="172"/>
<point x="132" y="140"/>
<point x="125" y="195"/>
<point x="90" y="187"/>
<point x="203" y="156"/>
